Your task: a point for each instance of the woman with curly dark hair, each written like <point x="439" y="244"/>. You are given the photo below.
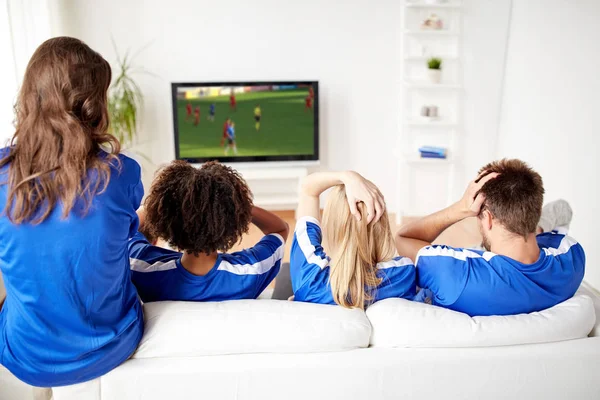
<point x="203" y="212"/>
<point x="68" y="198"/>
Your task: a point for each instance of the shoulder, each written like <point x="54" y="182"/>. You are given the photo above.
<point x="557" y="245"/>
<point x="4" y="152"/>
<point x="125" y="169"/>
<point x="398" y="268"/>
<point x="145" y="257"/>
<point x="257" y="260"/>
<point x="396" y="265"/>
<point x="306" y="245"/>
<point x="307" y="224"/>
<point x="447" y="253"/>
<point x="270" y="248"/>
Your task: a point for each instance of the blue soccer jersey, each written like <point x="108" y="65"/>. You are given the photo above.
<point x="309" y="269"/>
<point x="71" y="312"/>
<point x="483" y="283"/>
<point x="158" y="274"/>
<point x="231" y="132"/>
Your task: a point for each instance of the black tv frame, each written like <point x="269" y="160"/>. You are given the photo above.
<point x="296" y="157"/>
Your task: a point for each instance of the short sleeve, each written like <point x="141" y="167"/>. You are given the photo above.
<point x="444" y="271"/>
<point x="398" y="279"/>
<point x="260" y="263"/>
<point x="142" y="253"/>
<point x="309" y="264"/>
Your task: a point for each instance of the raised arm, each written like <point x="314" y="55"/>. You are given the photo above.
<point x="357" y="189"/>
<point x="415" y="235"/>
<point x="269" y="223"/>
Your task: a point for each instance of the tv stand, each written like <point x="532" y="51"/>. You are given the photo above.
<point x="275" y="188"/>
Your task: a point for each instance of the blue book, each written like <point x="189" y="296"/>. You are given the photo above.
<point x="432" y="149"/>
<point x="432" y="155"/>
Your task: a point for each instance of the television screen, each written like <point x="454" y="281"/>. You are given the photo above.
<point x="246" y="121"/>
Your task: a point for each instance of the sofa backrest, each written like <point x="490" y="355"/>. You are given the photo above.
<point x="403" y="323"/>
<point x="185" y="329"/>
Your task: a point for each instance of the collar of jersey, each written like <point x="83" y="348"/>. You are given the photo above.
<point x="191" y="276"/>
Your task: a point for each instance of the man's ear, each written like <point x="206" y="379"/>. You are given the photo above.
<point x="487" y="219"/>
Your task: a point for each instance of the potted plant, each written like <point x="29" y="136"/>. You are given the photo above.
<point x="125" y="101"/>
<point x="435" y="69"/>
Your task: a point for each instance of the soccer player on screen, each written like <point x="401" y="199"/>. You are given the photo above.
<point x="232" y="101"/>
<point x="196" y="116"/>
<point x="225" y="128"/>
<point x="188" y="109"/>
<point x="211" y="112"/>
<point x="308" y="103"/>
<point x="311" y="92"/>
<point x="257" y="115"/>
<point x="231" y="139"/>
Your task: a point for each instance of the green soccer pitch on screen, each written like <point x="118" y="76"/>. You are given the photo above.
<point x="246" y="121"/>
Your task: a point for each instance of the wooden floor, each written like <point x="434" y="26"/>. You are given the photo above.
<point x="462" y="234"/>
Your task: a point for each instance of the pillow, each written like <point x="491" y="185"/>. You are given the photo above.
<point x="188" y="329"/>
<point x="403" y="323"/>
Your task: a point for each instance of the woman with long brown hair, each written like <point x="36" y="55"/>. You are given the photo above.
<point x="68" y="201"/>
<point x="351" y="260"/>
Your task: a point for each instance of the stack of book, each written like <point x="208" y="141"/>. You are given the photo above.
<point x="433" y="152"/>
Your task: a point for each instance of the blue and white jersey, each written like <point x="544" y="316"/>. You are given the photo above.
<point x="212" y="109"/>
<point x="483" y="283"/>
<point x="309" y="269"/>
<point x="158" y="274"/>
<point x="71" y="313"/>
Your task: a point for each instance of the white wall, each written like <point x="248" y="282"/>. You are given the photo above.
<point x="351" y="47"/>
<point x="8" y="78"/>
<point x="551" y="107"/>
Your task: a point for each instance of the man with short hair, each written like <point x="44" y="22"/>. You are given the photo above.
<point x="521" y="271"/>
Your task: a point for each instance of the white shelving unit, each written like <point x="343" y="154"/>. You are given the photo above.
<point x="418" y="45"/>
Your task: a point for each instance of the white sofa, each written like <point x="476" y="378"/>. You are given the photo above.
<point x="281" y="350"/>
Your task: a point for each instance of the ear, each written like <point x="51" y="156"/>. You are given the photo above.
<point x="487" y="220"/>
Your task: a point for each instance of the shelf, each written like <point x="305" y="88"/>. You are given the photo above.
<point x="431" y="124"/>
<point x="430" y="33"/>
<point x="441" y="5"/>
<point x="416" y="159"/>
<point x="427" y="85"/>
<point x="425" y="58"/>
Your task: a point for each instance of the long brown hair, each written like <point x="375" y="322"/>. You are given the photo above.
<point x="61" y="124"/>
<point x="356" y="248"/>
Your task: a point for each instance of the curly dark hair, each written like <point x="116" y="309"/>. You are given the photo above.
<point x="199" y="210"/>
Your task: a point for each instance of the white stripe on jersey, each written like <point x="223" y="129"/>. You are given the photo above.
<point x="306" y="246"/>
<point x="565" y="245"/>
<point x="258" y="268"/>
<point x="402" y="262"/>
<point x="459" y="254"/>
<point x="143" y="266"/>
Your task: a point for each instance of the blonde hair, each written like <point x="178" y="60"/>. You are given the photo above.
<point x="356" y="248"/>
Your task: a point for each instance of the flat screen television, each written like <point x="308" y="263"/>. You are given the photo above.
<point x="246" y="121"/>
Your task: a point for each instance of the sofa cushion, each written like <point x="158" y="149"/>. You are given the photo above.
<point x="403" y="323"/>
<point x="187" y="329"/>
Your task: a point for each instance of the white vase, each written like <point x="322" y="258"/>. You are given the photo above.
<point x="435" y="75"/>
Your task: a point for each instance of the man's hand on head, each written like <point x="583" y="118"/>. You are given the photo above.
<point x="472" y="201"/>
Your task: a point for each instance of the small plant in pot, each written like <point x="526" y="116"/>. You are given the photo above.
<point x="435" y="69"/>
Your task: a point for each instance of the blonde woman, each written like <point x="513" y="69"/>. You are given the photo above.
<point x="359" y="264"/>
